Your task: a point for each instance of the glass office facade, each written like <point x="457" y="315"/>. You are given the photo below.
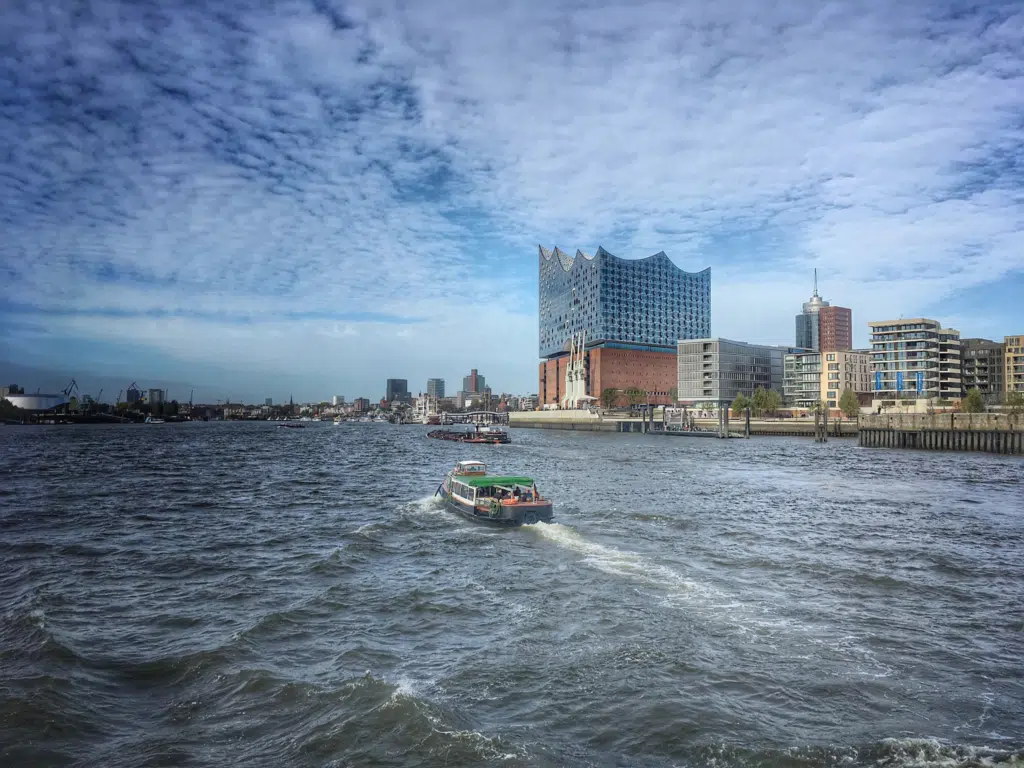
<point x="646" y="302"/>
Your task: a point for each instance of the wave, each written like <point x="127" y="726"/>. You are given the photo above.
<point x="624" y="563"/>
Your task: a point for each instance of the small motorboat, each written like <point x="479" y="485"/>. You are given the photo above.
<point x="151" y="420"/>
<point x="506" y="500"/>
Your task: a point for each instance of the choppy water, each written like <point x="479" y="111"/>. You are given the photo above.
<point x="237" y="594"/>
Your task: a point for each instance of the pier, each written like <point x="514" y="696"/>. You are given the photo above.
<point x="981" y="432"/>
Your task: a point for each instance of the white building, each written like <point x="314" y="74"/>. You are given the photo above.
<point x="337" y="400"/>
<point x="915" y="364"/>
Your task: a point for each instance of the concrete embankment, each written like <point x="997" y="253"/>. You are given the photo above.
<point x="592" y="422"/>
<point x="985" y="432"/>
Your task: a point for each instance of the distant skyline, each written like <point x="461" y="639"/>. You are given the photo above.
<point x="314" y="197"/>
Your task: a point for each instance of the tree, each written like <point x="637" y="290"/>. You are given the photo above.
<point x="973" y="402"/>
<point x="741" y="402"/>
<point x="849" y="404"/>
<point x="1015" y="402"/>
<point x="636" y="395"/>
<point x="673" y="395"/>
<point x="608" y="397"/>
<point x="759" y="402"/>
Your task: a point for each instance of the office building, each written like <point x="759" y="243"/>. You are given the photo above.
<point x="156" y="396"/>
<point x="435" y="388"/>
<point x="983" y="367"/>
<point x="808" y="325"/>
<point x="915" y="362"/>
<point x="398" y="391"/>
<point x="474" y="384"/>
<point x="714" y="371"/>
<point x="631" y="314"/>
<point x="835" y="329"/>
<point x="801" y="386"/>
<point x="1013" y="371"/>
<point x="842" y="370"/>
<point x="361" y="404"/>
<point x="269" y="402"/>
<point x="337" y="400"/>
<point x="821" y="327"/>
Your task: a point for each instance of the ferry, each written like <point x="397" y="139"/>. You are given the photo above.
<point x="505" y="500"/>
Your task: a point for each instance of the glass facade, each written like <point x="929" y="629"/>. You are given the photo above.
<point x="716" y="370"/>
<point x="649" y="302"/>
<point x="802" y="382"/>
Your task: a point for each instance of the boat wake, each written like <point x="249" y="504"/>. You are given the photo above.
<point x="630" y="565"/>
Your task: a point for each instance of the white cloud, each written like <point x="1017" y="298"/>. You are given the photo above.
<point x="312" y="172"/>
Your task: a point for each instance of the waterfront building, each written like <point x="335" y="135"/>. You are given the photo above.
<point x="801" y="386"/>
<point x="474" y="383"/>
<point x="821" y="327"/>
<point x="713" y="371"/>
<point x="156" y="396"/>
<point x="632" y="313"/>
<point x="398" y="391"/>
<point x="435" y="388"/>
<point x="835" y="329"/>
<point x="361" y="404"/>
<point x="269" y="402"/>
<point x="808" y="325"/>
<point x="842" y="370"/>
<point x="1014" y="363"/>
<point x="915" y="362"/>
<point x="983" y="367"/>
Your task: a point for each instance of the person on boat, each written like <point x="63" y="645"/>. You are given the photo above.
<point x="517" y="494"/>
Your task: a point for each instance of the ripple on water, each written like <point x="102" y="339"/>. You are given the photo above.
<point x="243" y="595"/>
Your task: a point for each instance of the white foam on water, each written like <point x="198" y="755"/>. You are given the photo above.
<point x="617" y="562"/>
<point x="932" y="753"/>
<point x="428" y="505"/>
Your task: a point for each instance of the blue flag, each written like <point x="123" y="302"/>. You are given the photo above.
<point x="878" y="381"/>
<point x="920" y="382"/>
<point x="899" y="381"/>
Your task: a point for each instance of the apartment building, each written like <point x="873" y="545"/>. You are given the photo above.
<point x="842" y="370"/>
<point x="1014" y="363"/>
<point x="983" y="364"/>
<point x="916" y="363"/>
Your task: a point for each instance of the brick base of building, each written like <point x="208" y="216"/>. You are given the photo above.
<point x="609" y="368"/>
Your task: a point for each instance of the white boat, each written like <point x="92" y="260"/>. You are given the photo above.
<point x="151" y="420"/>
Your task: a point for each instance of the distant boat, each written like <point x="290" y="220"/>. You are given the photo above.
<point x="151" y="420"/>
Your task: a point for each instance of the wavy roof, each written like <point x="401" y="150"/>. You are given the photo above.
<point x="566" y="261"/>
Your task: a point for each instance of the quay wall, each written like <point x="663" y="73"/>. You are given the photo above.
<point x="574" y="420"/>
<point x="985" y="432"/>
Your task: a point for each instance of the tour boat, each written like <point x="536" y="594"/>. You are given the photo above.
<point x="496" y="499"/>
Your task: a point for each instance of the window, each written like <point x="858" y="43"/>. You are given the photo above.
<point x="833" y="376"/>
<point x="833" y="366"/>
<point x="831" y="356"/>
<point x="831" y="393"/>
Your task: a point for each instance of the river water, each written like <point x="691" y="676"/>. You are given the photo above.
<point x="219" y="594"/>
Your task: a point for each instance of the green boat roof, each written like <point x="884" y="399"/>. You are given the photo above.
<point x="488" y="480"/>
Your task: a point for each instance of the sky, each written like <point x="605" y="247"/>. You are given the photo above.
<point x="307" y="198"/>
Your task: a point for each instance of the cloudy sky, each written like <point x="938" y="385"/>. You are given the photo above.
<point x="312" y="196"/>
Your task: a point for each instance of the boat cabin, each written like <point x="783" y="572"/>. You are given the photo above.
<point x="470" y="468"/>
